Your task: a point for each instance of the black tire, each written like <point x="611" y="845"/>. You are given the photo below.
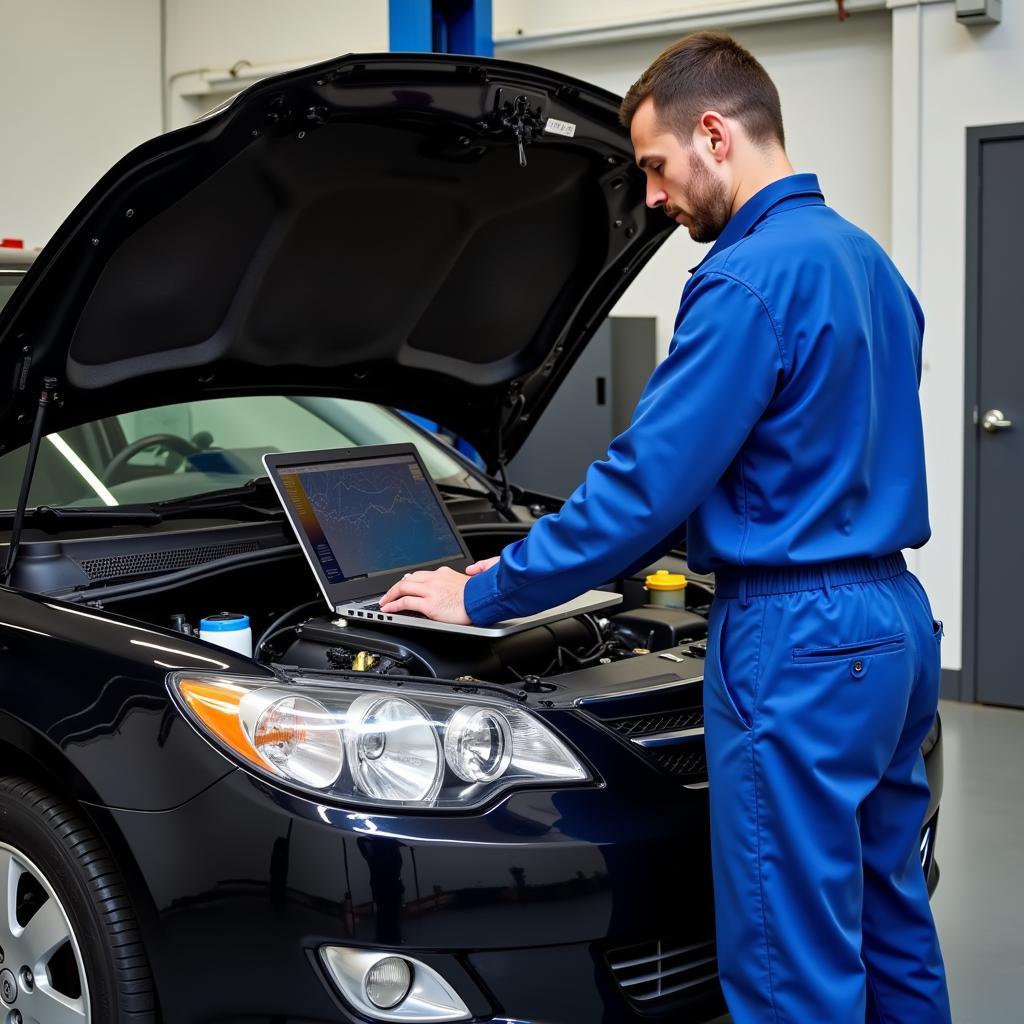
<point x="53" y="838"/>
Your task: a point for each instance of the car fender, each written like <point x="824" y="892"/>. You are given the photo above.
<point x="83" y="695"/>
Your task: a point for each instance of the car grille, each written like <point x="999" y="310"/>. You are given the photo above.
<point x="690" y="764"/>
<point x="645" y="725"/>
<point x="137" y="564"/>
<point x="654" y="974"/>
<point x="673" y="741"/>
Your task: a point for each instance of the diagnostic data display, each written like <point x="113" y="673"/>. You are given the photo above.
<point x="369" y="516"/>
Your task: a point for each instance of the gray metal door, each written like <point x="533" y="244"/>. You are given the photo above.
<point x="995" y="356"/>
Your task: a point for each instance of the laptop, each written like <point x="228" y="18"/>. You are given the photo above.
<point x="366" y="516"/>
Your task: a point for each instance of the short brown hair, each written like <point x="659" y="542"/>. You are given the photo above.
<point x="709" y="71"/>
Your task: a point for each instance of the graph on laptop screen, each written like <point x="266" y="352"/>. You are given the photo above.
<point x="369" y="516"/>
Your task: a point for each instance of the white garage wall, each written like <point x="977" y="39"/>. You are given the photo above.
<point x="541" y="20"/>
<point x="834" y="81"/>
<point x="80" y="86"/>
<point x="541" y="16"/>
<point x="217" y="35"/>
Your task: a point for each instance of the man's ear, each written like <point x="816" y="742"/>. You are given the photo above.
<point x="713" y="133"/>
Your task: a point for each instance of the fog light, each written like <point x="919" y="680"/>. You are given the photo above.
<point x="392" y="988"/>
<point x="387" y="982"/>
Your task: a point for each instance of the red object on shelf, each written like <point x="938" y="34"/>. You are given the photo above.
<point x="12" y="243"/>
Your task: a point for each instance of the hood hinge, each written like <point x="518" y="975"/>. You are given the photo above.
<point x="24" y="366"/>
<point x="46" y="399"/>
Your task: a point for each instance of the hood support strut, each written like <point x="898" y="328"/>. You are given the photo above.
<point x="514" y="400"/>
<point x="46" y="397"/>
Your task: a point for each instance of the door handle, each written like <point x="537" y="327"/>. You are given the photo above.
<point x="993" y="421"/>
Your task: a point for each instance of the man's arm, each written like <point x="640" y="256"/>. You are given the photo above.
<point x="696" y="412"/>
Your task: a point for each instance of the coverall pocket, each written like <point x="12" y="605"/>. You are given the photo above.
<point x="838" y="652"/>
<point x="719" y="664"/>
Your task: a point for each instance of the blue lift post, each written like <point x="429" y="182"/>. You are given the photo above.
<point x="441" y="26"/>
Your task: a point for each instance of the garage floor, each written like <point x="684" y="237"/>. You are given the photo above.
<point x="979" y="904"/>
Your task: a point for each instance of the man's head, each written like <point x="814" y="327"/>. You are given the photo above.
<point x="706" y="125"/>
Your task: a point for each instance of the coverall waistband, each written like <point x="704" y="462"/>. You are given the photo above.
<point x="760" y="581"/>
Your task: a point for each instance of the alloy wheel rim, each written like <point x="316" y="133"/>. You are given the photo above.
<point x="42" y="974"/>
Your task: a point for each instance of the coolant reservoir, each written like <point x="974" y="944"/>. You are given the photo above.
<point x="667" y="589"/>
<point x="228" y="629"/>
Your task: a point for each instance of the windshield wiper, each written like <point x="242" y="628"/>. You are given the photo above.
<point x="234" y="499"/>
<point x="45" y="515"/>
<point x="50" y="518"/>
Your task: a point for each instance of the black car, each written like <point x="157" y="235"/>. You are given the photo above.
<point x="189" y="834"/>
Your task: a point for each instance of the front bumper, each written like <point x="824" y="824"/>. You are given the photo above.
<point x="561" y="907"/>
<point x="520" y="907"/>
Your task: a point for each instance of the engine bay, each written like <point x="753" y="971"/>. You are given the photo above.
<point x="549" y="650"/>
<point x="257" y="570"/>
<point x="632" y="629"/>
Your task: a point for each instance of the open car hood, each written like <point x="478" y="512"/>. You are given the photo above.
<point x="363" y="227"/>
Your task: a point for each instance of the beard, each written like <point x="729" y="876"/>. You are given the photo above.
<point x="708" y="202"/>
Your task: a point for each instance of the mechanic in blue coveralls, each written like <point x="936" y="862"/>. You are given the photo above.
<point x="784" y="428"/>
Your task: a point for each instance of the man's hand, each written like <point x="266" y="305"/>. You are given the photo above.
<point x="437" y="594"/>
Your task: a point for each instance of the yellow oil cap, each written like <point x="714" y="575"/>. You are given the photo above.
<point x="665" y="580"/>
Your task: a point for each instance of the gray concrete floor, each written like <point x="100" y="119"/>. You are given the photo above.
<point x="979" y="904"/>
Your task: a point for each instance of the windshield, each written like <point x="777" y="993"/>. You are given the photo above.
<point x="176" y="451"/>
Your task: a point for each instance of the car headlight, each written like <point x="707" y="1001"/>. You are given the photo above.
<point x="294" y="734"/>
<point x="478" y="744"/>
<point x="366" y="743"/>
<point x="393" y="750"/>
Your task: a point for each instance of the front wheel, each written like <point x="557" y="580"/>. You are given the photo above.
<point x="70" y="948"/>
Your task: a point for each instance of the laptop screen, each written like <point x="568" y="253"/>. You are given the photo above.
<point x="367" y="515"/>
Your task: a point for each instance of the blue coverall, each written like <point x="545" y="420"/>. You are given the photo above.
<point x="783" y="434"/>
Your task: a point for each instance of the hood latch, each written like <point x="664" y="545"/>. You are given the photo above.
<point x="519" y="117"/>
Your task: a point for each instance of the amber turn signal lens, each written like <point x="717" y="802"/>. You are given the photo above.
<point x="288" y="734"/>
<point x="217" y="706"/>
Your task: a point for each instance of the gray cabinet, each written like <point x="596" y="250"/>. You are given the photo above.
<point x="594" y="404"/>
